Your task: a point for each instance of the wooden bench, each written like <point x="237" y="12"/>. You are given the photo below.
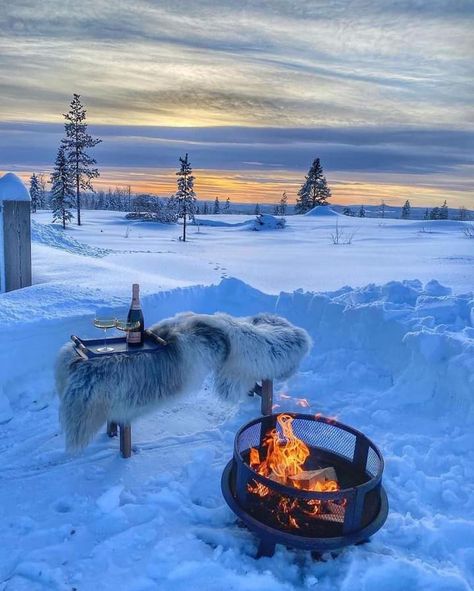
<point x="264" y="390"/>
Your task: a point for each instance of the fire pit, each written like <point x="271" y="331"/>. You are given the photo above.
<point x="306" y="482"/>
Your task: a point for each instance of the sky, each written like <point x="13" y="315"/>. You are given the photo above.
<point x="381" y="91"/>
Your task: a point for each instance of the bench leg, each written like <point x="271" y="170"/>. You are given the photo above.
<point x="111" y="429"/>
<point x="125" y="440"/>
<point x="267" y="397"/>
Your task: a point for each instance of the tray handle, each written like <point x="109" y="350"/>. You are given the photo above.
<point x="81" y="349"/>
<point x="156" y="338"/>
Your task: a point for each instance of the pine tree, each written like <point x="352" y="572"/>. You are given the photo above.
<point x="443" y="212"/>
<point x="276" y="209"/>
<point x="382" y="208"/>
<point x="185" y="195"/>
<point x="35" y="192"/>
<point x="348" y="211"/>
<point x="463" y="214"/>
<point x="257" y="209"/>
<point x="427" y="214"/>
<point x="227" y="205"/>
<point x="283" y="203"/>
<point x="205" y="208"/>
<point x="42" y="191"/>
<point x="435" y="214"/>
<point x="217" y="206"/>
<point x="314" y="191"/>
<point x="406" y="210"/>
<point x="62" y="189"/>
<point x="76" y="142"/>
<point x="362" y="212"/>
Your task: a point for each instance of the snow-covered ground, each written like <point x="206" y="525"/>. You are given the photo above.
<point x="393" y="356"/>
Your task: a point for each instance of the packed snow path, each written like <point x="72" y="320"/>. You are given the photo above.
<point x="395" y="361"/>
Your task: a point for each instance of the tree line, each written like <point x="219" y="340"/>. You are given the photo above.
<point x="74" y="170"/>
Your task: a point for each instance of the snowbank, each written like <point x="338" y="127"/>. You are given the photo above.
<point x="56" y="237"/>
<point x="265" y="221"/>
<point x="321" y="211"/>
<point x="12" y="188"/>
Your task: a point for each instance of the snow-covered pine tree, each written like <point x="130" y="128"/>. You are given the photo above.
<point x="35" y="193"/>
<point x="443" y="211"/>
<point x="283" y="203"/>
<point x="406" y="210"/>
<point x="227" y="205"/>
<point x="361" y="213"/>
<point x="42" y="204"/>
<point x="427" y="214"/>
<point x="217" y="206"/>
<point x="435" y="214"/>
<point x="258" y="211"/>
<point x="62" y="189"/>
<point x="314" y="191"/>
<point x="463" y="214"/>
<point x="205" y="208"/>
<point x="185" y="194"/>
<point x="76" y="142"/>
<point x="276" y="209"/>
<point x="348" y="211"/>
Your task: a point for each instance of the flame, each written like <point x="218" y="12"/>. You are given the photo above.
<point x="285" y="456"/>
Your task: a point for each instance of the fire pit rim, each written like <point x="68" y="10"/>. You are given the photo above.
<point x="300" y="493"/>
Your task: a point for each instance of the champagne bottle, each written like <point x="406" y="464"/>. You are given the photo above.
<point x="135" y="314"/>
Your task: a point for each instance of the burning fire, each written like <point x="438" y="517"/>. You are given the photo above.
<point x="284" y="462"/>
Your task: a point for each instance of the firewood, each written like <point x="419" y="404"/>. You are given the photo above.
<point x="308" y="478"/>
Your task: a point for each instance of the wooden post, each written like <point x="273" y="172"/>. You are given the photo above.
<point x="125" y="440"/>
<point x="112" y="429"/>
<point x="267" y="397"/>
<point x="15" y="234"/>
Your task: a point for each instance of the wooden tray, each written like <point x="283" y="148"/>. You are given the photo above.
<point x="87" y="348"/>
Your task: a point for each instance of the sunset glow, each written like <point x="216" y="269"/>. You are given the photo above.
<point x="253" y="92"/>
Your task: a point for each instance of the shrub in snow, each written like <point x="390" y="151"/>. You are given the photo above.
<point x="265" y="221"/>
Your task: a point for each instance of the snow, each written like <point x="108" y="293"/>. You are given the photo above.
<point x="321" y="211"/>
<point x="12" y="188"/>
<point x="393" y="357"/>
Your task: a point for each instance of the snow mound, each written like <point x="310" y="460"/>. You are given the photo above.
<point x="12" y="188"/>
<point x="58" y="238"/>
<point x="220" y="223"/>
<point x="265" y="221"/>
<point x="321" y="211"/>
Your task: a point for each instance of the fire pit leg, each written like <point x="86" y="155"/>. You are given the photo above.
<point x="265" y="548"/>
<point x="125" y="440"/>
<point x="111" y="429"/>
<point x="267" y="397"/>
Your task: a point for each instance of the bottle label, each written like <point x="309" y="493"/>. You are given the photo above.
<point x="134" y="337"/>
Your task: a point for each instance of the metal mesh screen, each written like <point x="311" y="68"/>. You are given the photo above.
<point x="325" y="436"/>
<point x="250" y="437"/>
<point x="373" y="462"/>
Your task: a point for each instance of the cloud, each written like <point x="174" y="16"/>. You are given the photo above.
<point x="249" y="63"/>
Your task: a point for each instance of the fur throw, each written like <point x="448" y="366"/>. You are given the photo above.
<point x="120" y="388"/>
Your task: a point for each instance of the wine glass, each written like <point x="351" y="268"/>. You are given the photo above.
<point x="104" y="322"/>
<point x="126" y="326"/>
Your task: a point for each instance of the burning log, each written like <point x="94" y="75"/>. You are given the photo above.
<point x="323" y="479"/>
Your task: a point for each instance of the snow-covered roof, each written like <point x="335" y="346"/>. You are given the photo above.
<point x="12" y="188"/>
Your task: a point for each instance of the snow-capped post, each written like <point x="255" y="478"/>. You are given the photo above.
<point x="15" y="234"/>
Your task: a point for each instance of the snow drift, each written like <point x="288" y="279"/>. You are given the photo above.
<point x="56" y="237"/>
<point x="321" y="211"/>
